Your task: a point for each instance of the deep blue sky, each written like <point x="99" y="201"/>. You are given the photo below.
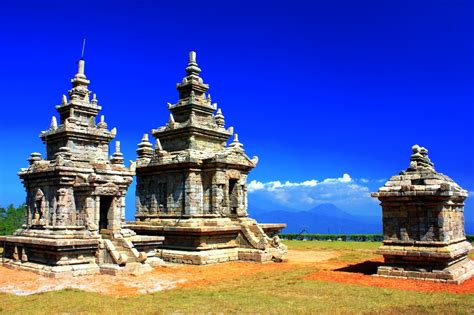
<point x="316" y="89"/>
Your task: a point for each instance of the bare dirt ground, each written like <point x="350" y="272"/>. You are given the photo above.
<point x="172" y="276"/>
<point x="362" y="274"/>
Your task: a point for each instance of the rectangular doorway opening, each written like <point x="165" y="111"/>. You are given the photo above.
<point x="233" y="196"/>
<point x="105" y="207"/>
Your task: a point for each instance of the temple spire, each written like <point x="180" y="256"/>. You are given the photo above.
<point x="192" y="68"/>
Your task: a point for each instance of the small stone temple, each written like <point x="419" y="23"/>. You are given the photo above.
<point x="191" y="185"/>
<point x="75" y="198"/>
<point x="423" y="224"/>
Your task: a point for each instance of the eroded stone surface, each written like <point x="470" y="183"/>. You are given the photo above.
<point x="192" y="186"/>
<point x="423" y="224"/>
<point x="75" y="196"/>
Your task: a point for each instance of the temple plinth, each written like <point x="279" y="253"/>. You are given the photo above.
<point x="192" y="186"/>
<point x="423" y="224"/>
<point x="75" y="198"/>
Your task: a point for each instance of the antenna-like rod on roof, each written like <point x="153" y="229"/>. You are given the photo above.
<point x="83" y="47"/>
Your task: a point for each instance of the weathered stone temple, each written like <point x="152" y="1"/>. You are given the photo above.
<point x="423" y="224"/>
<point x="76" y="198"/>
<point x="191" y="186"/>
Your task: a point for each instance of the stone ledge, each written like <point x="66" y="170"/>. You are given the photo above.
<point x="48" y="242"/>
<point x="455" y="274"/>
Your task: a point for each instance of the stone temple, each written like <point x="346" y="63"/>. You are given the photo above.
<point x="423" y="224"/>
<point x="76" y="198"/>
<point x="191" y="186"/>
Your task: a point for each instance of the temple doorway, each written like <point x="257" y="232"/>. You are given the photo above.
<point x="233" y="196"/>
<point x="105" y="207"/>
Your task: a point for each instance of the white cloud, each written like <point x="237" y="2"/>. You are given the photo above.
<point x="271" y="186"/>
<point x="342" y="191"/>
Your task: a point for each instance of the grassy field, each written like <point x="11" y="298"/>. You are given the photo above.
<point x="266" y="292"/>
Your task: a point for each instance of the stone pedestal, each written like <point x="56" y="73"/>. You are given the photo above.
<point x="423" y="225"/>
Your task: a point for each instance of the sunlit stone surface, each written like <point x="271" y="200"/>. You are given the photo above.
<point x="75" y="198"/>
<point x="423" y="224"/>
<point x="192" y="186"/>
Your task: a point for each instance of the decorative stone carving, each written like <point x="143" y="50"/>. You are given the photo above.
<point x="423" y="224"/>
<point x="193" y="181"/>
<point x="72" y="192"/>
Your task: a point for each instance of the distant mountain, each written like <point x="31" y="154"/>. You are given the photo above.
<point x="324" y="218"/>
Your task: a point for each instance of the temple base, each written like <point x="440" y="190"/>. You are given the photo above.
<point x="53" y="271"/>
<point x="201" y="241"/>
<point x="448" y="263"/>
<point x="113" y="253"/>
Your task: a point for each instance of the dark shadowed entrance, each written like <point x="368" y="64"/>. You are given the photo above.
<point x="105" y="205"/>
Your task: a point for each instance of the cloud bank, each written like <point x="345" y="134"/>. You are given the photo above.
<point x="345" y="192"/>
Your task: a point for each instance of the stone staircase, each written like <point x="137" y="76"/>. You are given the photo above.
<point x="121" y="257"/>
<point x="255" y="245"/>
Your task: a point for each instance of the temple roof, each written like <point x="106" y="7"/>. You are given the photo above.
<point x="420" y="179"/>
<point x="194" y="122"/>
<point x="77" y="126"/>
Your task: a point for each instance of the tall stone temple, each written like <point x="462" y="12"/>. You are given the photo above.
<point x="191" y="185"/>
<point x="423" y="224"/>
<point x="75" y="198"/>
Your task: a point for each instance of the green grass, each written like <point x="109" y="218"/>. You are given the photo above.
<point x="276" y="292"/>
<point x="332" y="245"/>
<point x="348" y="251"/>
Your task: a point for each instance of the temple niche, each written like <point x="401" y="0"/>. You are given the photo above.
<point x="192" y="186"/>
<point x="423" y="224"/>
<point x="75" y="198"/>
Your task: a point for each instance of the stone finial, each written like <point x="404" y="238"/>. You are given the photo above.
<point x="113" y="131"/>
<point x="117" y="157"/>
<point x="94" y="99"/>
<point x="159" y="148"/>
<point x="192" y="68"/>
<point x="192" y="57"/>
<point x="64" y="100"/>
<point x="158" y="145"/>
<point x="209" y="98"/>
<point x="102" y="123"/>
<point x="170" y="120"/>
<point x="255" y="160"/>
<point x="236" y="145"/>
<point x="35" y="156"/>
<point x="419" y="159"/>
<point x="145" y="148"/>
<point x="170" y="106"/>
<point x="219" y="118"/>
<point x="80" y="68"/>
<point x="54" y="123"/>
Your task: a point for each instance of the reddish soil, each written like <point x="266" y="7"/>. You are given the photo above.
<point x="172" y="276"/>
<point x="362" y="274"/>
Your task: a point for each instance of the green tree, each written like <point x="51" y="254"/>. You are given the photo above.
<point x="11" y="218"/>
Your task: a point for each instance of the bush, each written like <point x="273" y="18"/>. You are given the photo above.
<point x="342" y="237"/>
<point x="11" y="219"/>
<point x="334" y="237"/>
